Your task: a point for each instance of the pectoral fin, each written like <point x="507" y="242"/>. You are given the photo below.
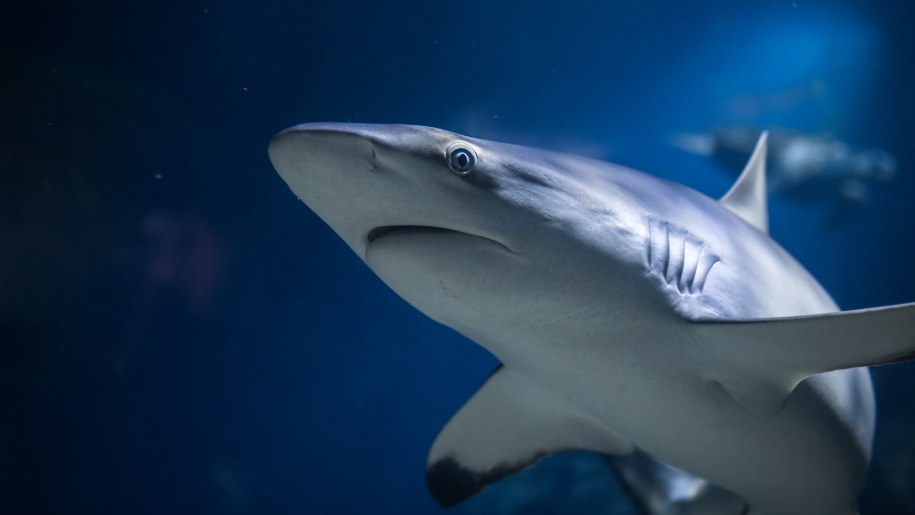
<point x="511" y="422"/>
<point x="759" y="362"/>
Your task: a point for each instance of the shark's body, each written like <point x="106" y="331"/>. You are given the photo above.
<point x="625" y="310"/>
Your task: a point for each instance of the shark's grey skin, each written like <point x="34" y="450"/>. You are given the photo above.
<point x="627" y="311"/>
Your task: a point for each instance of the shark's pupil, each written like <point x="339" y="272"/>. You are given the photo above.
<point x="461" y="161"/>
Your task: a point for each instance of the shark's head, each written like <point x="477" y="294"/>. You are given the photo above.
<point x="475" y="234"/>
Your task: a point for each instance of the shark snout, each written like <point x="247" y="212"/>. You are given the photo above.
<point x="333" y="171"/>
<point x="308" y="150"/>
<point x="368" y="181"/>
<point x="359" y="178"/>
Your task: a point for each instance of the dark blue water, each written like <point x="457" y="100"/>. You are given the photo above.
<point x="178" y="334"/>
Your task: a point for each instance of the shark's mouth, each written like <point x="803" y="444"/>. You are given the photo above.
<point x="388" y="230"/>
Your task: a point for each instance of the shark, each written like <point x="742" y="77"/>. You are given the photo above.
<point x="632" y="316"/>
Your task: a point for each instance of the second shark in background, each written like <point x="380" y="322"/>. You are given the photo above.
<point x="801" y="166"/>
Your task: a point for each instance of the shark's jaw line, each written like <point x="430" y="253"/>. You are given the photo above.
<point x="387" y="231"/>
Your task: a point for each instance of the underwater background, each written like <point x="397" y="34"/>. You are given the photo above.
<point x="179" y="334"/>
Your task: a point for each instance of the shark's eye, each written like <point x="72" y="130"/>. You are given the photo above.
<point x="461" y="159"/>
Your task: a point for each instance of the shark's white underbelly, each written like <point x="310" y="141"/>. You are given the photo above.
<point x="813" y="455"/>
<point x="810" y="458"/>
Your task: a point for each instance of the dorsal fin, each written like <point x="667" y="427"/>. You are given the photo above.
<point x="747" y="197"/>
